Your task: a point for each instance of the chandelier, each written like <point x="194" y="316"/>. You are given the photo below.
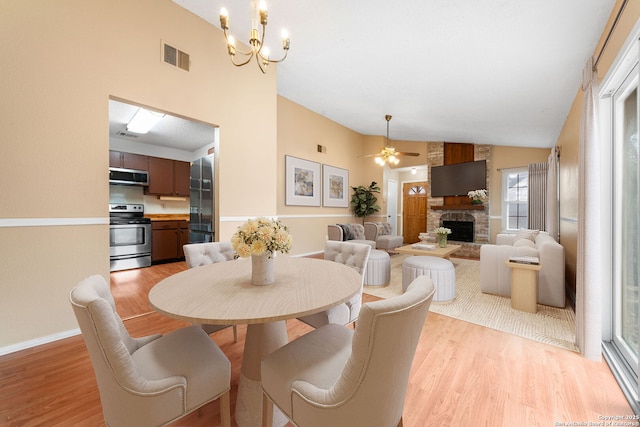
<point x="256" y="41"/>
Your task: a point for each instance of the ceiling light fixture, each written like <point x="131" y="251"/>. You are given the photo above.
<point x="256" y="42"/>
<point x="387" y="154"/>
<point x="143" y="120"/>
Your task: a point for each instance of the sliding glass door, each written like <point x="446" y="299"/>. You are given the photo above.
<point x="626" y="214"/>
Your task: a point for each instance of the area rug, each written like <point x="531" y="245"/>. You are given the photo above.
<point x="550" y="325"/>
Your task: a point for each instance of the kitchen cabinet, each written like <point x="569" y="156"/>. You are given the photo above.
<point x="168" y="177"/>
<point x="119" y="159"/>
<point x="167" y="238"/>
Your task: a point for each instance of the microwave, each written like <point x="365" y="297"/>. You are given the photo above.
<point x="128" y="177"/>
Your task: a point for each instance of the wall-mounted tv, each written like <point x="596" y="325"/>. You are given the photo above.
<point x="458" y="179"/>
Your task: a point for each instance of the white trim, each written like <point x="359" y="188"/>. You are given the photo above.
<point x="51" y="222"/>
<point x="38" y="341"/>
<point x="245" y="218"/>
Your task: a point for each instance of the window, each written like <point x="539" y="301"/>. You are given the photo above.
<point x="515" y="194"/>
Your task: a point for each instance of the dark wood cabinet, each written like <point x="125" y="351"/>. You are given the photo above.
<point x="454" y="153"/>
<point x="119" y="159"/>
<point x="168" y="177"/>
<point x="167" y="240"/>
<point x="181" y="178"/>
<point x="183" y="237"/>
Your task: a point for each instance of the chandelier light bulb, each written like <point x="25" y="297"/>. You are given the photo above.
<point x="255" y="38"/>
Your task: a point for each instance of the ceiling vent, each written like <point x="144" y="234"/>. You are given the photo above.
<point x="175" y="57"/>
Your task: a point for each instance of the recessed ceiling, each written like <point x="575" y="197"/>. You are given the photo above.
<point x="501" y="72"/>
<point x="171" y="132"/>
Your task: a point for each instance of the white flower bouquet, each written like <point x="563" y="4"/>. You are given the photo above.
<point x="442" y="231"/>
<point x="477" y="194"/>
<point x="261" y="236"/>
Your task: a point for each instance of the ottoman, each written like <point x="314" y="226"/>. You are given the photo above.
<point x="378" y="271"/>
<point x="440" y="270"/>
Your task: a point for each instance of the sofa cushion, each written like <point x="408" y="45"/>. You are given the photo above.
<point x="524" y="242"/>
<point x="527" y="234"/>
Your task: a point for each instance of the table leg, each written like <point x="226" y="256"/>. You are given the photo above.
<point x="261" y="339"/>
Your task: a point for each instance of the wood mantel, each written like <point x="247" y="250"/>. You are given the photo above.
<point x="458" y="208"/>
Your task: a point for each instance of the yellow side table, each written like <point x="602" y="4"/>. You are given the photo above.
<point x="524" y="286"/>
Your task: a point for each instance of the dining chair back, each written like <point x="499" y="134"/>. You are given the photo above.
<point x="336" y="376"/>
<point x="356" y="256"/>
<point x="153" y="380"/>
<point x="199" y="254"/>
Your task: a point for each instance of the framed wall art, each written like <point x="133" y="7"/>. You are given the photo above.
<point x="335" y="187"/>
<point x="302" y="182"/>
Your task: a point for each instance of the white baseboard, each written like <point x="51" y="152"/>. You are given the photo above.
<point x="38" y="341"/>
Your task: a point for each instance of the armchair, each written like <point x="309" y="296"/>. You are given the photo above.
<point x="380" y="232"/>
<point x="353" y="233"/>
<point x="148" y="381"/>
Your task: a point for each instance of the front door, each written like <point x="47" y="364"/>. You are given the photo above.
<point x="414" y="210"/>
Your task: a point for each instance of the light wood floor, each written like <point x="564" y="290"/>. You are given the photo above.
<point x="462" y="375"/>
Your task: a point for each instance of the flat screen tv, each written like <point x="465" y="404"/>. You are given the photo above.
<point x="458" y="179"/>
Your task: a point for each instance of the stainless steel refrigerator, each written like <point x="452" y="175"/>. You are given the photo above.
<point x="201" y="226"/>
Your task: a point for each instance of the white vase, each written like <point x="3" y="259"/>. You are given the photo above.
<point x="262" y="270"/>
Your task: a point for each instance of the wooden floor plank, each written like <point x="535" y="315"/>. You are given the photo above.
<point x="463" y="374"/>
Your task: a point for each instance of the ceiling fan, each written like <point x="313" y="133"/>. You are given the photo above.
<point x="389" y="154"/>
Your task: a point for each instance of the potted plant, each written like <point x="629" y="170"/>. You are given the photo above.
<point x="363" y="201"/>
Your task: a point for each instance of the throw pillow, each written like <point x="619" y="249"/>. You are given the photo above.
<point x="527" y="234"/>
<point x="524" y="242"/>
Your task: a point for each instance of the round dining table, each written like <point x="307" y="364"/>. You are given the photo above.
<point x="222" y="294"/>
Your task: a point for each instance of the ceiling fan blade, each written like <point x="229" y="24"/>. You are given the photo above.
<point x="368" y="155"/>
<point x="401" y="153"/>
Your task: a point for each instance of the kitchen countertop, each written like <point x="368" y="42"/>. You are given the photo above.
<point x="168" y="217"/>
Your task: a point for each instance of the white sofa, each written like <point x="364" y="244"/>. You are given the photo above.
<point x="380" y="232"/>
<point x="353" y="233"/>
<point x="495" y="275"/>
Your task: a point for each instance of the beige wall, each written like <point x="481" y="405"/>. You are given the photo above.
<point x="63" y="60"/>
<point x="568" y="140"/>
<point x="505" y="158"/>
<point x="300" y="131"/>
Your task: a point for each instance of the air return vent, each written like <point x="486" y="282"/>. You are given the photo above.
<point x="175" y="57"/>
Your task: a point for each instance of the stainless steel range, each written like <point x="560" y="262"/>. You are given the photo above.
<point x="129" y="237"/>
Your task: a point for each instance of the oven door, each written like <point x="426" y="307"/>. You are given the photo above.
<point x="129" y="239"/>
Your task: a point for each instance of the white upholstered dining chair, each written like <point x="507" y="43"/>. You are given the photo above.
<point x="354" y="255"/>
<point x="149" y="381"/>
<point x="199" y="254"/>
<point x="336" y="376"/>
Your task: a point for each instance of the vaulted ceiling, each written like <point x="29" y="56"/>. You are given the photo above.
<point x="502" y="72"/>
